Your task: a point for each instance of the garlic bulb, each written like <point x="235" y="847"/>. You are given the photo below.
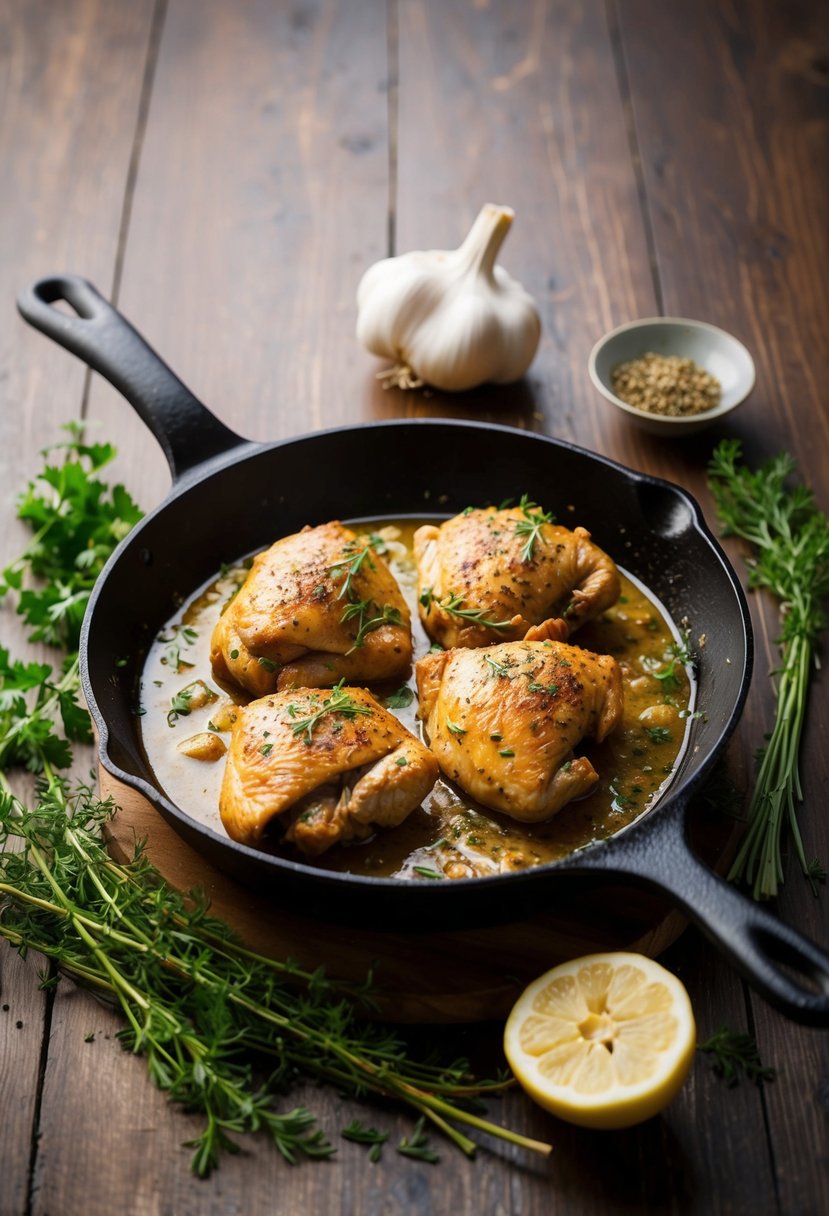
<point x="450" y="318"/>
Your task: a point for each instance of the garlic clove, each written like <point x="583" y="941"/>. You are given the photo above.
<point x="450" y="318"/>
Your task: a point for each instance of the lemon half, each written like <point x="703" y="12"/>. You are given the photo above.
<point x="604" y="1041"/>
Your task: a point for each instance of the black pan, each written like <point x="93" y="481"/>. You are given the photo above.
<point x="231" y="497"/>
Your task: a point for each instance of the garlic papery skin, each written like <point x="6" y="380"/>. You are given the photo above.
<point x="450" y="318"/>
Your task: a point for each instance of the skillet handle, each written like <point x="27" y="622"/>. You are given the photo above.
<point x="752" y="938"/>
<point x="187" y="431"/>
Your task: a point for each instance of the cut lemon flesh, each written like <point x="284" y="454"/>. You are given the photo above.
<point x="604" y="1041"/>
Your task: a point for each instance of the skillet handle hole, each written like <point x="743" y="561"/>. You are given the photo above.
<point x="803" y="972"/>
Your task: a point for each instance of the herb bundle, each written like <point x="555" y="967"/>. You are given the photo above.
<point x="789" y="536"/>
<point x="198" y="1005"/>
<point x="225" y="1031"/>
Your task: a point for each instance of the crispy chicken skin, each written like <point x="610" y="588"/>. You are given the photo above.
<point x="285" y="629"/>
<point x="354" y="768"/>
<point x="480" y="559"/>
<point x="503" y="721"/>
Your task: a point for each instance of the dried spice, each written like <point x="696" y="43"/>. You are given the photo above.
<point x="670" y="385"/>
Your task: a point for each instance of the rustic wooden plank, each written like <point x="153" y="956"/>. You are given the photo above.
<point x="261" y="197"/>
<point x="527" y="107"/>
<point x="732" y="121"/>
<point x="520" y="105"/>
<point x="70" y="80"/>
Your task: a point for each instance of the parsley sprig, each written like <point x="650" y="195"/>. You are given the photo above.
<point x="789" y="539"/>
<point x="77" y="521"/>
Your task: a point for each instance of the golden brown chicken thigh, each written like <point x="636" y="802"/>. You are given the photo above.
<point x="331" y="765"/>
<point x="317" y="607"/>
<point x="503" y="721"/>
<point x="492" y="575"/>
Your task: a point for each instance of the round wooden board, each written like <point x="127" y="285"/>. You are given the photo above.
<point x="459" y="976"/>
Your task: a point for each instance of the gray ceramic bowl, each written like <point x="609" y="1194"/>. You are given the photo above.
<point x="711" y="348"/>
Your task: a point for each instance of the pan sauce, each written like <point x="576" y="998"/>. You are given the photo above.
<point x="451" y="836"/>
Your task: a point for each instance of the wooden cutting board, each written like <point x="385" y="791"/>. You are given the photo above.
<point x="460" y="976"/>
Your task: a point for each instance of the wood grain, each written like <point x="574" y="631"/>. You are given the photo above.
<point x="261" y="197"/>
<point x="70" y="81"/>
<point x="659" y="157"/>
<point x="446" y="976"/>
<point x="735" y="156"/>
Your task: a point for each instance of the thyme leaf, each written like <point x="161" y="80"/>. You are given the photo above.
<point x="452" y="605"/>
<point x="734" y="1055"/>
<point x="531" y="526"/>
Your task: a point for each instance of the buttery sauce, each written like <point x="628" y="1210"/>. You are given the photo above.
<point x="451" y="835"/>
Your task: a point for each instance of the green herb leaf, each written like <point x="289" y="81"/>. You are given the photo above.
<point x="452" y="605"/>
<point x="735" y="1055"/>
<point x="339" y="702"/>
<point x="400" y="698"/>
<point x="531" y="526"/>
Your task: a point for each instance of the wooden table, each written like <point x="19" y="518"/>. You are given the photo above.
<point x="225" y="172"/>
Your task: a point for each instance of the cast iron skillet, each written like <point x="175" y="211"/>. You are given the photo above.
<point x="231" y="497"/>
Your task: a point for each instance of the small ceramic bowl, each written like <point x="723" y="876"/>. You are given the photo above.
<point x="712" y="349"/>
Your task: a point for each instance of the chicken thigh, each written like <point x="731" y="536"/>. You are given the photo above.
<point x="329" y="765"/>
<point x="503" y="721"/>
<point x="317" y="607"/>
<point x="492" y="575"/>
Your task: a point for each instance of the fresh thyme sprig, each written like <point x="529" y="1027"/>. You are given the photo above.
<point x="789" y="536"/>
<point x="349" y="567"/>
<point x="531" y="526"/>
<point x="366" y="623"/>
<point x="734" y="1055"/>
<point x="337" y="702"/>
<point x="452" y="605"/>
<point x="198" y="1005"/>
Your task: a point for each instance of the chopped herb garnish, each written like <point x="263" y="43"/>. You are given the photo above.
<point x="266" y="749"/>
<point x="402" y="761"/>
<point x="179" y="706"/>
<point x="234" y="654"/>
<point x="368" y="1136"/>
<point x="496" y="737"/>
<point x="498" y="669"/>
<point x="506" y="751"/>
<point x="418" y="1143"/>
<point x="425" y="872"/>
<point x="681" y="655"/>
<point x="180" y="635"/>
<point x="436" y="648"/>
<point x="400" y="698"/>
<point x="268" y="664"/>
<point x="659" y="734"/>
<point x="426" y="598"/>
<point x="339" y="702"/>
<point x="454" y="728"/>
